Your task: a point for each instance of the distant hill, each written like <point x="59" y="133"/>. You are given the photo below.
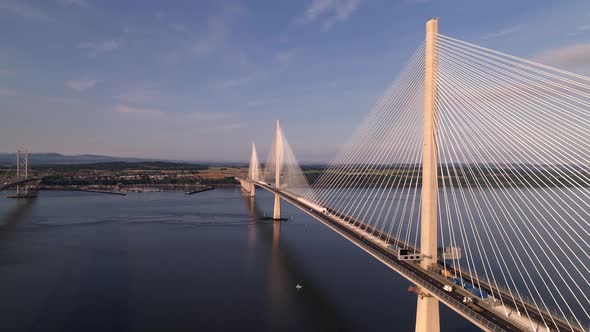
<point x="125" y="165"/>
<point x="35" y="159"/>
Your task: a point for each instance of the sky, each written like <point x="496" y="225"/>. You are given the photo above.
<point x="201" y="80"/>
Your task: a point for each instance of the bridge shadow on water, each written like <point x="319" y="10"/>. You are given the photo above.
<point x="287" y="272"/>
<point x="19" y="212"/>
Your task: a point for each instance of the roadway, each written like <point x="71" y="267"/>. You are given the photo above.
<point x="17" y="183"/>
<point x="430" y="281"/>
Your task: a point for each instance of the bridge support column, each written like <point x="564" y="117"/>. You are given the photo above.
<point x="278" y="154"/>
<point x="277" y="210"/>
<point x="253" y="171"/>
<point x="427" y="315"/>
<point x="427" y="318"/>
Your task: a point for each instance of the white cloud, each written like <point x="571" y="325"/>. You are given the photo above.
<point x="252" y="77"/>
<point x="94" y="48"/>
<point x="171" y="58"/>
<point x="178" y="27"/>
<point x="172" y="116"/>
<point x="235" y="82"/>
<point x="260" y="103"/>
<point x="217" y="31"/>
<point x="137" y="111"/>
<point x="332" y="11"/>
<point x="285" y="57"/>
<point x="503" y="32"/>
<point x="62" y="100"/>
<point x="580" y="30"/>
<point x="203" y="47"/>
<point x="79" y="3"/>
<point x="82" y="83"/>
<point x="230" y="126"/>
<point x="568" y="56"/>
<point x="279" y="61"/>
<point x="7" y="92"/>
<point x="240" y="57"/>
<point x="283" y="38"/>
<point x="207" y="115"/>
<point x="213" y="39"/>
<point x="22" y="9"/>
<point x="142" y="94"/>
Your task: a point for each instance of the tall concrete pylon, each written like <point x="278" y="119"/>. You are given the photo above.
<point x="427" y="315"/>
<point x="253" y="170"/>
<point x="278" y="155"/>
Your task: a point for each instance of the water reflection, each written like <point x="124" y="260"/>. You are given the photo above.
<point x="20" y="211"/>
<point x="286" y="272"/>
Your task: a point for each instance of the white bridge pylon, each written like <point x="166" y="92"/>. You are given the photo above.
<point x="253" y="172"/>
<point x="282" y="170"/>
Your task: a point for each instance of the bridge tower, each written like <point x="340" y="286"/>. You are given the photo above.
<point x="278" y="155"/>
<point x="427" y="315"/>
<point x="253" y="170"/>
<point x="22" y="173"/>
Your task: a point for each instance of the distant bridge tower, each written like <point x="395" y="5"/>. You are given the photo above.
<point x="278" y="155"/>
<point x="253" y="170"/>
<point x="22" y="171"/>
<point x="22" y="174"/>
<point x="427" y="315"/>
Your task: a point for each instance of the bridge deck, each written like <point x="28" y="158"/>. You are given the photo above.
<point x="17" y="183"/>
<point x="373" y="242"/>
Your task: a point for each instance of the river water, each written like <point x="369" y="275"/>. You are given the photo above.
<point x="72" y="261"/>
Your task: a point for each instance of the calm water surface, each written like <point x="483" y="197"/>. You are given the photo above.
<point x="172" y="262"/>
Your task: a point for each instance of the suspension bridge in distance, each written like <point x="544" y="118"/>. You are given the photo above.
<point x="23" y="181"/>
<point x="470" y="178"/>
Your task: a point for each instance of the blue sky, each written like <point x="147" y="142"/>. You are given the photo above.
<point x="200" y="80"/>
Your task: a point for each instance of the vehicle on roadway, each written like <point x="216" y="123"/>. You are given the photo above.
<point x="446" y="273"/>
<point x="474" y="307"/>
<point x="313" y="206"/>
<point x="448" y="288"/>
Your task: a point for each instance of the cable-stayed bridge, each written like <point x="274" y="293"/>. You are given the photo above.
<point x="470" y="177"/>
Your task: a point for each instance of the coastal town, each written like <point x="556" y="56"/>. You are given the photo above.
<point x="122" y="177"/>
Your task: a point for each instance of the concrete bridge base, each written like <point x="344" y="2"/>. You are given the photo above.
<point x="427" y="317"/>
<point x="277" y="210"/>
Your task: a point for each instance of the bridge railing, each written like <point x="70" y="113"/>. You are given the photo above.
<point x="435" y="291"/>
<point x="524" y="299"/>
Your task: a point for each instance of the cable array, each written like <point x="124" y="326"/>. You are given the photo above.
<point x="254" y="170"/>
<point x="374" y="180"/>
<point x="514" y="176"/>
<point x="514" y="153"/>
<point x="292" y="178"/>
